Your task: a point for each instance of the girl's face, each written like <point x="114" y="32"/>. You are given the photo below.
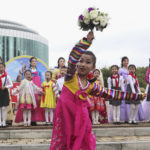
<point x="132" y="70"/>
<point x="125" y="62"/>
<point x="48" y="76"/>
<point x="28" y="75"/>
<point x="33" y="62"/>
<point x="2" y="68"/>
<point x="63" y="72"/>
<point x="96" y="74"/>
<point x="19" y="78"/>
<point x="114" y="70"/>
<point x="85" y="65"/>
<point x="61" y="63"/>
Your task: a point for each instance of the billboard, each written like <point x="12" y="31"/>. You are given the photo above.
<point x="16" y="66"/>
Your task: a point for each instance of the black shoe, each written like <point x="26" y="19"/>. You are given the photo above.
<point x="126" y="122"/>
<point x="114" y="122"/>
<point x="5" y="126"/>
<point x="33" y="124"/>
<point x="47" y="124"/>
<point x="118" y="123"/>
<point x="134" y="122"/>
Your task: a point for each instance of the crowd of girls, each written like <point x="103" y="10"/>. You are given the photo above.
<point x="38" y="97"/>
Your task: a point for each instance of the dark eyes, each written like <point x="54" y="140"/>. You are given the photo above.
<point x="87" y="62"/>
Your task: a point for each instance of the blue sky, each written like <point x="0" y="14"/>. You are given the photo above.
<point x="128" y="33"/>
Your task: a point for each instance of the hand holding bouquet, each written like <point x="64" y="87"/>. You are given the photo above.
<point x="91" y="18"/>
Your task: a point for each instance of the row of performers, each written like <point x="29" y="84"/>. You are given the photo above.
<point x="30" y="103"/>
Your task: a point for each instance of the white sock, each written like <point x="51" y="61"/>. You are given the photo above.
<point x="135" y="112"/>
<point x="29" y="116"/>
<point x="25" y="116"/>
<point x="114" y="113"/>
<point x="118" y="113"/>
<point x="4" y="115"/>
<point x="131" y="112"/>
<point x="46" y="114"/>
<point x="97" y="115"/>
<point x="0" y="115"/>
<point x="93" y="116"/>
<point x="51" y="115"/>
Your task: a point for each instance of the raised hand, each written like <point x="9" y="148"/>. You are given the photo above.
<point x="90" y="36"/>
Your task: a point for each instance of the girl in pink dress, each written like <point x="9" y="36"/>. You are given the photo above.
<point x="98" y="106"/>
<point x="72" y="129"/>
<point x="38" y="114"/>
<point x="27" y="98"/>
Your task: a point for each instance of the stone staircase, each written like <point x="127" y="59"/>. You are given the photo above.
<point x="109" y="137"/>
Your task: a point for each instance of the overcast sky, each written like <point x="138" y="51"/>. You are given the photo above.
<point x="128" y="33"/>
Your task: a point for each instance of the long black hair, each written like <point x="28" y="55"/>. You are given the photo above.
<point x="31" y="60"/>
<point x="122" y="59"/>
<point x="59" y="60"/>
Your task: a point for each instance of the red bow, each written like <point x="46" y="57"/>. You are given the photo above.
<point x="2" y="76"/>
<point x="90" y="76"/>
<point x="116" y="81"/>
<point x="35" y="72"/>
<point x="43" y="96"/>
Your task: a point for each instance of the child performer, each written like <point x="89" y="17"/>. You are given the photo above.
<point x="48" y="101"/>
<point x="72" y="127"/>
<point x="5" y="84"/>
<point x="60" y="81"/>
<point x="27" y="98"/>
<point x="98" y="107"/>
<point x="133" y="86"/>
<point x="115" y="82"/>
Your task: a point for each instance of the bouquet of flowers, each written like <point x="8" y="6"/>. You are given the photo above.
<point x="91" y="18"/>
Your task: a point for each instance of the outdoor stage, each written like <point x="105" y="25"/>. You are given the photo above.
<point x="109" y="137"/>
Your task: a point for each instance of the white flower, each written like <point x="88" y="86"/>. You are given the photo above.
<point x="98" y="18"/>
<point x="86" y="14"/>
<point x="86" y="21"/>
<point x="95" y="22"/>
<point x="103" y="22"/>
<point x="93" y="14"/>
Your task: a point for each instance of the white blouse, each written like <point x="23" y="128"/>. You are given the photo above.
<point x="131" y="81"/>
<point x="8" y="83"/>
<point x="111" y="82"/>
<point x="60" y="83"/>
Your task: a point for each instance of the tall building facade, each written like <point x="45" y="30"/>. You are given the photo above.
<point x="17" y="39"/>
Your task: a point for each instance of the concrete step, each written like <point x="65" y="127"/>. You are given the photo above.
<point x="138" y="145"/>
<point x="27" y="133"/>
<point x="109" y="137"/>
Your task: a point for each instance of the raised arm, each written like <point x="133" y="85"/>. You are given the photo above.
<point x="114" y="94"/>
<point x="55" y="90"/>
<point x="76" y="53"/>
